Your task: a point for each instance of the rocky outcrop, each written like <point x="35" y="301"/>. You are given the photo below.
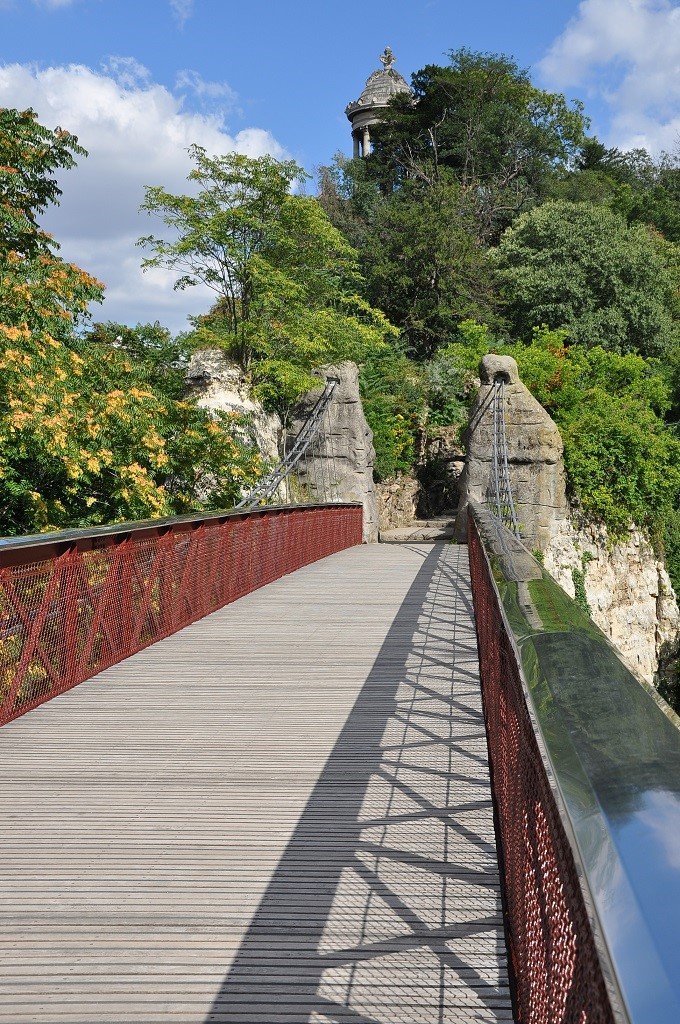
<point x="397" y="501"/>
<point x="536" y="467"/>
<point x="627" y="588"/>
<point x="219" y="386"/>
<point x="345" y="455"/>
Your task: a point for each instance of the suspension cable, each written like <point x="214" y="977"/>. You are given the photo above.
<point x="501" y="491"/>
<point x="269" y="485"/>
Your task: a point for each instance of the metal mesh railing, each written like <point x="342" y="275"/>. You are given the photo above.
<point x="74" y="604"/>
<point x="557" y="973"/>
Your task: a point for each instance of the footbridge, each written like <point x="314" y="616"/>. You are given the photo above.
<point x="255" y="771"/>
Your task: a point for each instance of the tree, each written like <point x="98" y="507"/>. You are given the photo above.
<point x="150" y="348"/>
<point x="393" y="392"/>
<point x="425" y="266"/>
<point x="481" y="118"/>
<point x="581" y="267"/>
<point x="87" y="434"/>
<point x="39" y="292"/>
<point x="629" y="183"/>
<point x="286" y="280"/>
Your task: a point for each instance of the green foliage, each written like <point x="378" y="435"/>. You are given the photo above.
<point x="447" y="385"/>
<point x="622" y="461"/>
<point x="29" y="156"/>
<point x="470" y="342"/>
<point x="629" y="183"/>
<point x="578" y="577"/>
<point x="424" y="265"/>
<point x="159" y="358"/>
<point x="286" y="280"/>
<point x="91" y="428"/>
<point x="350" y="196"/>
<point x="670" y="540"/>
<point x="481" y="118"/>
<point x="39" y="292"/>
<point x="581" y="267"/>
<point x="393" y="396"/>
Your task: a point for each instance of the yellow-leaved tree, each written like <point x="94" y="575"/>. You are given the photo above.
<point x="87" y="434"/>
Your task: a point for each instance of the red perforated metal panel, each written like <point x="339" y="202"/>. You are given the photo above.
<point x="557" y="973"/>
<point x="70" y="615"/>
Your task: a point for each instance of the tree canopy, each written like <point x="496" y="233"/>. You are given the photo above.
<point x="481" y="118"/>
<point x="581" y="267"/>
<point x="87" y="433"/>
<point x="286" y="280"/>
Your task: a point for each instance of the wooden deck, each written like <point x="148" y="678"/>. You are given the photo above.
<point x="280" y="814"/>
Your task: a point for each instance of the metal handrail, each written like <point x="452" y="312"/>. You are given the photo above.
<point x="610" y="747"/>
<point x="36" y="546"/>
<point x="76" y="602"/>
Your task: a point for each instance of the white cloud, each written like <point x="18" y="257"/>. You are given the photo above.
<point x="211" y="95"/>
<point x="627" y="52"/>
<point x="127" y="72"/>
<point x="53" y="5"/>
<point x="137" y="133"/>
<point x="182" y="10"/>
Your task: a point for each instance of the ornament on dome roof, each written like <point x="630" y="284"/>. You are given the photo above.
<point x="387" y="58"/>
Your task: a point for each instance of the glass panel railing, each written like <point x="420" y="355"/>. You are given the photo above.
<point x="586" y="769"/>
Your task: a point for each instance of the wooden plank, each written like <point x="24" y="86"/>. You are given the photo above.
<point x="280" y="814"/>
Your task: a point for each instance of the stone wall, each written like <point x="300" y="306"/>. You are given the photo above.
<point x="347" y="454"/>
<point x="535" y="463"/>
<point x="628" y="590"/>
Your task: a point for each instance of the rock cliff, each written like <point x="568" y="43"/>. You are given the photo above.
<point x="535" y="463"/>
<point x="220" y="386"/>
<point x="347" y="453"/>
<point x="626" y="587"/>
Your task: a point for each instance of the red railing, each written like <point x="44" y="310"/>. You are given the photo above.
<point x="74" y="604"/>
<point x="553" y="958"/>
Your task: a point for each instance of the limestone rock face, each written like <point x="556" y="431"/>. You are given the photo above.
<point x="628" y="590"/>
<point x="347" y="453"/>
<point x="535" y="463"/>
<point x="397" y="502"/>
<point x="219" y="386"/>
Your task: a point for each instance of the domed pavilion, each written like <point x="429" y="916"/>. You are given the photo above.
<point x="381" y="86"/>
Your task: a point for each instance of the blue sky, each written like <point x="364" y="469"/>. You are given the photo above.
<point x="138" y="81"/>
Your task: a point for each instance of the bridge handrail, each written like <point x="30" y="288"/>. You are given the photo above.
<point x="75" y="602"/>
<point x="36" y="546"/>
<point x="585" y="763"/>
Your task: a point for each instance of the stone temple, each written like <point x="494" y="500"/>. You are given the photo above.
<point x="380" y="87"/>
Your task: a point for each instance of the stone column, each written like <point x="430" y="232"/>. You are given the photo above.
<point x="355" y="140"/>
<point x="346" y="454"/>
<point x="536" y="468"/>
<point x="366" y="143"/>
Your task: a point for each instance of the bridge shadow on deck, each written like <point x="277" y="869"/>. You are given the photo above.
<point x="385" y="905"/>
